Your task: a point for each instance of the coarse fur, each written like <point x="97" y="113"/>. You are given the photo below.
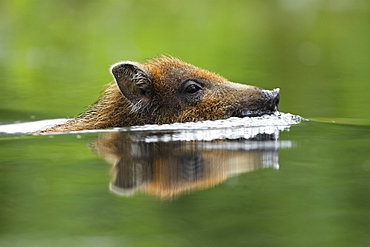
<point x="167" y="90"/>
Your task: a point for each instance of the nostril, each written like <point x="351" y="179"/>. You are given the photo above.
<point x="277" y="99"/>
<point x="276" y="102"/>
<point x="274" y="99"/>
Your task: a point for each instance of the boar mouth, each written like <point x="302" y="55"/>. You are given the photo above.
<point x="253" y="113"/>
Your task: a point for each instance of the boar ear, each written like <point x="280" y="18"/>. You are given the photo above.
<point x="132" y="80"/>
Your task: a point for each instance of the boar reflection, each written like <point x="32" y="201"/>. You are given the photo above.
<point x="168" y="169"/>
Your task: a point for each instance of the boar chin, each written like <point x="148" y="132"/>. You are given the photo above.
<point x="252" y="113"/>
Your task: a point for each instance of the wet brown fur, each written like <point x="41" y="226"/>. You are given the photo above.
<point x="162" y="102"/>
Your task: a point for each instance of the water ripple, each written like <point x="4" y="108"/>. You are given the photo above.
<point x="232" y="128"/>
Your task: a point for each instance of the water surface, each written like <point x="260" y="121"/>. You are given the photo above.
<point x="302" y="184"/>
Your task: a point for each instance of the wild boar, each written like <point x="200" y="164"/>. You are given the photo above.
<point x="167" y="90"/>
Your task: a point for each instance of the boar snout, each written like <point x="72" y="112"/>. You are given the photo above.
<point x="266" y="102"/>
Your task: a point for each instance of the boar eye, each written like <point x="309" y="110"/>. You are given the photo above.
<point x="193" y="88"/>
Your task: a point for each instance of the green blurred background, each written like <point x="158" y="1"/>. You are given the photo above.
<point x="55" y="55"/>
<point x="54" y="60"/>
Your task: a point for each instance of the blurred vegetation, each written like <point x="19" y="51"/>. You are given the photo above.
<point x="55" y="55"/>
<point x="54" y="60"/>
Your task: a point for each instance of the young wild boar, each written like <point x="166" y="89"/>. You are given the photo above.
<point x="166" y="90"/>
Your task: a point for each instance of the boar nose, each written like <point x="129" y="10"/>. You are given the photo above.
<point x="272" y="99"/>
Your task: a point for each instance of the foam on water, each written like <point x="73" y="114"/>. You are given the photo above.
<point x="232" y="128"/>
<point x="28" y="127"/>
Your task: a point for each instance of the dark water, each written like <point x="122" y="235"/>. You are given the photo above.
<point x="260" y="184"/>
<point x="305" y="185"/>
